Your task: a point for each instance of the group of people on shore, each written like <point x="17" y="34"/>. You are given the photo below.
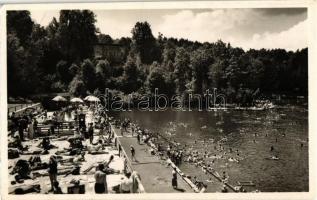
<point x="75" y="155"/>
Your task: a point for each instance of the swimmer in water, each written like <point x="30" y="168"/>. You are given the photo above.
<point x="275" y="158"/>
<point x="209" y="180"/>
<point x="272" y="148"/>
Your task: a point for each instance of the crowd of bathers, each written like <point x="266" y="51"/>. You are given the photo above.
<point x="167" y="148"/>
<point x="63" y="161"/>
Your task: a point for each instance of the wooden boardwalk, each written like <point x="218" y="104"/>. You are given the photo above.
<point x="156" y="176"/>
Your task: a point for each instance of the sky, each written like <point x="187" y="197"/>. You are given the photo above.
<point x="269" y="28"/>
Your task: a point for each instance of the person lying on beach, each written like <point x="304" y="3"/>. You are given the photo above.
<point x="25" y="189"/>
<point x="105" y="141"/>
<point x="46" y="144"/>
<point x="16" y="142"/>
<point x="77" y="159"/>
<point x="96" y="149"/>
<point x="61" y="170"/>
<point x="36" y="163"/>
<point x="22" y="170"/>
<point x="74" y="171"/>
<point x="105" y="163"/>
<point x="68" y="152"/>
<point x="76" y="142"/>
<point x="14" y="153"/>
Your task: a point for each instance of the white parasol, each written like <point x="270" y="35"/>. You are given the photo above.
<point x="92" y="98"/>
<point x="59" y="98"/>
<point x="76" y="100"/>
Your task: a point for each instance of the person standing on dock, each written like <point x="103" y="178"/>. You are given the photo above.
<point x="121" y="130"/>
<point x="174" y="178"/>
<point x="91" y="133"/>
<point x="132" y="128"/>
<point x="132" y="153"/>
<point x="138" y="137"/>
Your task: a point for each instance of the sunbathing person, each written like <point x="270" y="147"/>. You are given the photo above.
<point x="22" y="170"/>
<point x="62" y="170"/>
<point x="96" y="148"/>
<point x="75" y="148"/>
<point x="36" y="163"/>
<point x="76" y="142"/>
<point x="46" y="144"/>
<point x="13" y="153"/>
<point x="16" y="142"/>
<point x="25" y="189"/>
<point x="106" y="164"/>
<point x="68" y="152"/>
<point x="74" y="171"/>
<point x="77" y="159"/>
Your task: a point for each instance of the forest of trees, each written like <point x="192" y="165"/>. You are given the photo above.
<point x="60" y="58"/>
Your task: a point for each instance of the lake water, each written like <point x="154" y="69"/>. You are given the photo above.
<point x="252" y="133"/>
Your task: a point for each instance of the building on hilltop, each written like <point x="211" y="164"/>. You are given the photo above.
<point x="114" y="53"/>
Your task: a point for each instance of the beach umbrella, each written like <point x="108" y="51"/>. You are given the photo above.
<point x="92" y="98"/>
<point x="76" y="100"/>
<point x="59" y="98"/>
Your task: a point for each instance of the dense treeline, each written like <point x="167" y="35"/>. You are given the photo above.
<point x="60" y="58"/>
